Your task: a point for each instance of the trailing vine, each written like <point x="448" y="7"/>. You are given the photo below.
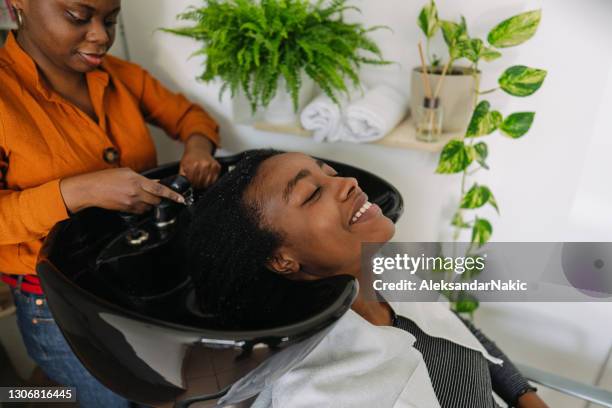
<point x="465" y="155"/>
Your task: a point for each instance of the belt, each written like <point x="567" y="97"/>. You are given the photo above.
<point x="25" y="283"/>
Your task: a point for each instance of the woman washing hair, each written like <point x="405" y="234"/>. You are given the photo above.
<point x="283" y="217"/>
<point x="73" y="135"/>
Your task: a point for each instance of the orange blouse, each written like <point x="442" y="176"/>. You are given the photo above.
<point x="44" y="138"/>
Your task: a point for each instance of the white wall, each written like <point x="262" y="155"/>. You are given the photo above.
<point x="552" y="185"/>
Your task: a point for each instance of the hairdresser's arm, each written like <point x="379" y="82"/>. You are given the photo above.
<point x="120" y="189"/>
<point x="508" y="382"/>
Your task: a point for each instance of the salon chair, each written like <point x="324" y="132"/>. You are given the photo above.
<point x="117" y="289"/>
<point x="118" y="292"/>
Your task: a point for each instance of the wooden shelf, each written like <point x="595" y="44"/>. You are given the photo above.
<point x="402" y="137"/>
<point x="289" y="128"/>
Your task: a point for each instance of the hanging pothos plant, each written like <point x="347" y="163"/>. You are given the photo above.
<point x="469" y="154"/>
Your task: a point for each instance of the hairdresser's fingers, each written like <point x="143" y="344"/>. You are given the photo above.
<point x="198" y="176"/>
<point x="191" y="170"/>
<point x="217" y="171"/>
<point x="160" y="190"/>
<point x="149" y="198"/>
<point x="213" y="173"/>
<point x="205" y="175"/>
<point x="208" y="170"/>
<point x="208" y="180"/>
<point x="140" y="208"/>
<point x="210" y="177"/>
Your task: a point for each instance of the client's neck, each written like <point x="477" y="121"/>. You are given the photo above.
<point x="367" y="305"/>
<point x="377" y="313"/>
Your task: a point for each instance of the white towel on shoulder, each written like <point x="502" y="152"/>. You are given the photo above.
<point x="376" y="114"/>
<point x="353" y="365"/>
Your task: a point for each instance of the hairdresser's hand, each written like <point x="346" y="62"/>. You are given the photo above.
<point x="115" y="189"/>
<point x="531" y="400"/>
<point x="198" y="164"/>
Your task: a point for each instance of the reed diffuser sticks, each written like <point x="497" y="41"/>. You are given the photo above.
<point x="424" y="73"/>
<point x="428" y="117"/>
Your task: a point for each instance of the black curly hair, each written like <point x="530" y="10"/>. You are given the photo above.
<point x="227" y="246"/>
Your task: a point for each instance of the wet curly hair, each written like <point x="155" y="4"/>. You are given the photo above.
<point x="227" y="246"/>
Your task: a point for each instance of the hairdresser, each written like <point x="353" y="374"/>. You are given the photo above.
<point x="73" y="135"/>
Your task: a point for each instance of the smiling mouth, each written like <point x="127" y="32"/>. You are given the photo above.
<point x="92" y="59"/>
<point x="362" y="210"/>
<point x="360" y="199"/>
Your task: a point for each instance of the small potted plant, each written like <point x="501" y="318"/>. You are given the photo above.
<point x="461" y="82"/>
<point x="269" y="49"/>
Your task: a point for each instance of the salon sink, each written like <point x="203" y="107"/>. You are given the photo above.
<point x="118" y="289"/>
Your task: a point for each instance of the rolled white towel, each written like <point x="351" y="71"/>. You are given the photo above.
<point x="376" y="114"/>
<point x="324" y="118"/>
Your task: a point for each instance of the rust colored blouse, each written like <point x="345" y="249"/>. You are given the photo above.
<point x="44" y="138"/>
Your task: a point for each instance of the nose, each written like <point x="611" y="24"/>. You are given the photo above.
<point x="98" y="34"/>
<point x="348" y="187"/>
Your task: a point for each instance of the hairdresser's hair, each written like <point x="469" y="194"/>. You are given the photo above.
<point x="227" y="246"/>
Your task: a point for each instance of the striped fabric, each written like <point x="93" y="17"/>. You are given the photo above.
<point x="460" y="376"/>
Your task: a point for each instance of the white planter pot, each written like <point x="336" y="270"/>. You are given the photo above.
<point x="280" y="109"/>
<point x="456" y="96"/>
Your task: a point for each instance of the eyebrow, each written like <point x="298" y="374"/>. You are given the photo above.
<point x="92" y="9"/>
<point x="82" y="5"/>
<point x="293" y="182"/>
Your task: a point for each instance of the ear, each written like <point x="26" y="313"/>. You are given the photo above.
<point x="283" y="264"/>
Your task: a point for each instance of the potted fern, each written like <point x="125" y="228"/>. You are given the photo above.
<point x="269" y="48"/>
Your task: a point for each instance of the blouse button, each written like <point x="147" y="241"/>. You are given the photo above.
<point x="111" y="155"/>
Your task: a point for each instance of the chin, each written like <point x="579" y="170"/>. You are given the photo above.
<point x="390" y="229"/>
<point x="83" y="68"/>
<point x="380" y="231"/>
<point x="77" y="65"/>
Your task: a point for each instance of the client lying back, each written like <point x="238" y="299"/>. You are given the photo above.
<point x="278" y="218"/>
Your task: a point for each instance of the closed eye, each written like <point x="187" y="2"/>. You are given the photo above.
<point x="313" y="196"/>
<point x="76" y="19"/>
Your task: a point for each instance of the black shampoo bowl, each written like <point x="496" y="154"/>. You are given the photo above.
<point x="128" y="309"/>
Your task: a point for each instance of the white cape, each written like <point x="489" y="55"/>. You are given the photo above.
<point x="353" y="364"/>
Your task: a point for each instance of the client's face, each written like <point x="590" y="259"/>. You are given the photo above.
<point x="322" y="216"/>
